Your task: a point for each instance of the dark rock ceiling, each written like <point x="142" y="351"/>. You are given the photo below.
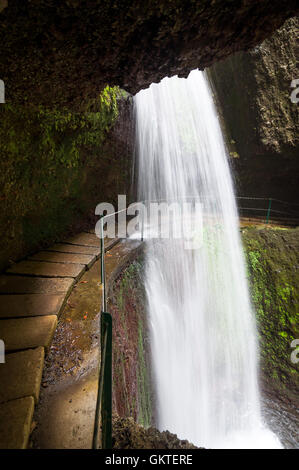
<point x="62" y="53"/>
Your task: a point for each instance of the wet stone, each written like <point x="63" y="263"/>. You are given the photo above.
<point x="20" y="375"/>
<point x="85" y="239"/>
<point x="55" y="257"/>
<point x="66" y="248"/>
<point x="30" y="305"/>
<point x="15" y="423"/>
<point x="40" y="268"/>
<point x="26" y="285"/>
<point x="25" y="333"/>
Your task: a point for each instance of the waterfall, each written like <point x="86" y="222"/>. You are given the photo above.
<point x="202" y="327"/>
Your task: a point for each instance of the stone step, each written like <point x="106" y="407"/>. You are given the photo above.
<point x="15" y="423"/>
<point x="45" y="269"/>
<point x="21" y="374"/>
<point x="31" y="297"/>
<point x="26" y="333"/>
<point x="10" y="284"/>
<point x="66" y="248"/>
<point x="85" y="239"/>
<point x="72" y="258"/>
<point x="30" y="305"/>
<point x="110" y="243"/>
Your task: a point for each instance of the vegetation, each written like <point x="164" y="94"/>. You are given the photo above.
<point x="272" y="259"/>
<point x="131" y="372"/>
<point x="49" y="166"/>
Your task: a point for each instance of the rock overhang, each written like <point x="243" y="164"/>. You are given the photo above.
<point x="64" y="54"/>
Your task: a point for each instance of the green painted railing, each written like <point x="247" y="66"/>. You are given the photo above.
<point x="279" y="211"/>
<point x="104" y="398"/>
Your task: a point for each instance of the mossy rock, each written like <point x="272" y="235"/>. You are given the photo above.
<point x="132" y="390"/>
<point x="56" y="166"/>
<point x="273" y="269"/>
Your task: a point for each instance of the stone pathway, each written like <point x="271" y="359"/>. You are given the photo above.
<point x="64" y="417"/>
<point x="33" y="293"/>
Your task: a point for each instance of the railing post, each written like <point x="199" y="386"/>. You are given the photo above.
<point x="106" y="409"/>
<point x="103" y="277"/>
<point x="104" y="395"/>
<point x="269" y="210"/>
<point x="142" y="224"/>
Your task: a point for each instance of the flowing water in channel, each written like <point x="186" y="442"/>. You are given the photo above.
<point x="202" y="327"/>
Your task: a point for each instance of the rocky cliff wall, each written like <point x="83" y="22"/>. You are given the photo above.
<point x="132" y="389"/>
<point x="253" y="90"/>
<point x="273" y="271"/>
<point x="56" y="166"/>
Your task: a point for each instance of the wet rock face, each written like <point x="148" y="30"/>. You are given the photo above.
<point x="254" y="89"/>
<point x="273" y="261"/>
<point x="127" y="434"/>
<point x="56" y="166"/>
<point x="132" y="390"/>
<point x="64" y="53"/>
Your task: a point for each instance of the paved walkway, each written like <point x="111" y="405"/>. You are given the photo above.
<point x="33" y="293"/>
<point x="64" y="416"/>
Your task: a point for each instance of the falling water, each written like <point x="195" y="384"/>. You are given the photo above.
<point x="203" y="337"/>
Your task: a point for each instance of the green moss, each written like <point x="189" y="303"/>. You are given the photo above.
<point x="132" y="384"/>
<point x="50" y="170"/>
<point x="272" y="258"/>
<point x="144" y="387"/>
<point x="283" y="334"/>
